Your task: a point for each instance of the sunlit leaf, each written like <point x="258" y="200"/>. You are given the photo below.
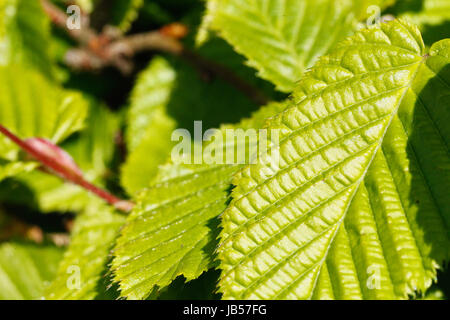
<point x="356" y="208"/>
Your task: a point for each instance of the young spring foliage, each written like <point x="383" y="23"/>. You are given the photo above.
<point x="358" y="207"/>
<point x="357" y="191"/>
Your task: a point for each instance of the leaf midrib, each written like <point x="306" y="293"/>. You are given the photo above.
<point x="419" y="63"/>
<point x="363" y="175"/>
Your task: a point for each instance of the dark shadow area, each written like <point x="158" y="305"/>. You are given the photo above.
<point x="429" y="158"/>
<point x="203" y="288"/>
<point x="434" y="33"/>
<point x="106" y="288"/>
<point x="206" y="97"/>
<point x="49" y="223"/>
<point x="198" y="96"/>
<point x="19" y="201"/>
<point x="443" y="282"/>
<point x="14" y="192"/>
<point x="405" y="6"/>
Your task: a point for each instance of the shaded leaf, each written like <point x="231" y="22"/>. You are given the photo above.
<point x="149" y="127"/>
<point x="24" y="35"/>
<point x="91" y="241"/>
<point x="432" y="12"/>
<point x="26" y="269"/>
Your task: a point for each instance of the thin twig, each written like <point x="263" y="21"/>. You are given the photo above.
<point x="59" y="18"/>
<point x="62" y="171"/>
<point x="110" y="48"/>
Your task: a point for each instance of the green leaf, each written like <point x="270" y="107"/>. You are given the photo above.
<point x="358" y="206"/>
<point x="24" y="35"/>
<point x="91" y="241"/>
<point x="149" y="127"/>
<point x="26" y="269"/>
<point x="282" y="38"/>
<point x="166" y="235"/>
<point x="169" y="233"/>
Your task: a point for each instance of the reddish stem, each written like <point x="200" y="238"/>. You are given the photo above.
<point x="68" y="175"/>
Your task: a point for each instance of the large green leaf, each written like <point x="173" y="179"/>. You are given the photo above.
<point x="282" y="38"/>
<point x="170" y="232"/>
<point x="358" y="206"/>
<point x="26" y="269"/>
<point x="85" y="260"/>
<point x="167" y="234"/>
<point x="24" y="35"/>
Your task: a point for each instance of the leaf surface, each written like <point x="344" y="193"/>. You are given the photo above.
<point x="169" y="233"/>
<point x="149" y="126"/>
<point x="355" y="208"/>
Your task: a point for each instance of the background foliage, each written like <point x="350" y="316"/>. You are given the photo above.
<point x="363" y="109"/>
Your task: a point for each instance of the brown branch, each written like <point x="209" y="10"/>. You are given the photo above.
<point x="54" y="163"/>
<point x="59" y="18"/>
<point x="110" y="48"/>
